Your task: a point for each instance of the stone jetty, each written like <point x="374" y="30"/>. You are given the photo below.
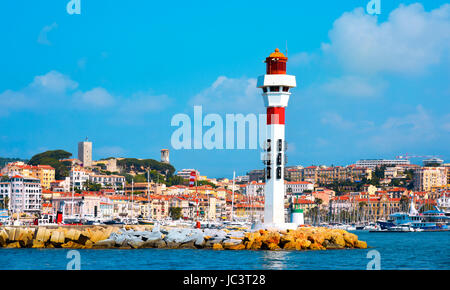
<point x="137" y="237"/>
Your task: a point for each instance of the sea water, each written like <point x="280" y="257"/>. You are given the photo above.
<point x="416" y="250"/>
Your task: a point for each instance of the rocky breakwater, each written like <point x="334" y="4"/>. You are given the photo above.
<point x="136" y="237"/>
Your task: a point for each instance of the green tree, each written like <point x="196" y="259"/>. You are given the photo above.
<point x="175" y="213"/>
<point x="53" y="158"/>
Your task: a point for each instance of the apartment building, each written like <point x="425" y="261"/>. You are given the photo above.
<point x="426" y="178"/>
<point x="24" y="194"/>
<point x="45" y="173"/>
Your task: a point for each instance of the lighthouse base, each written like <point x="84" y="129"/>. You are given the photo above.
<point x="275" y="227"/>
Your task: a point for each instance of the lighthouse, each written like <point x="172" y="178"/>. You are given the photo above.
<point x="275" y="85"/>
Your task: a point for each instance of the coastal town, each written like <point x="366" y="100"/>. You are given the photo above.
<point x="137" y="191"/>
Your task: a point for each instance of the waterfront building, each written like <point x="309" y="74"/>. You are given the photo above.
<point x="24" y="194"/>
<point x="85" y="153"/>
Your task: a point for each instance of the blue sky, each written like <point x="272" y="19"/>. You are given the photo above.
<point x="369" y="86"/>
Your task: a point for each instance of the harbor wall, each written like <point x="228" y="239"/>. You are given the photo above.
<point x="148" y="236"/>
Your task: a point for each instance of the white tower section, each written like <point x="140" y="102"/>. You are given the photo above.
<point x="85" y="153"/>
<point x="275" y="85"/>
<point x="165" y="155"/>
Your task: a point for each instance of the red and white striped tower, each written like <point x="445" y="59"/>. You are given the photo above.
<point x="275" y="85"/>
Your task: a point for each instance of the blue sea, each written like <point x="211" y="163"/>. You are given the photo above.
<point x="395" y="251"/>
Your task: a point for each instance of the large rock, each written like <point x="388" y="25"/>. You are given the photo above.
<point x="135" y="242"/>
<point x="108" y="243"/>
<point x="57" y="237"/>
<point x="71" y="245"/>
<point x="361" y="245"/>
<point x="38" y="244"/>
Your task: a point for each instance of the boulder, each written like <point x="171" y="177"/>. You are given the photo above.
<point x="172" y="245"/>
<point x="273" y="247"/>
<point x="292" y="245"/>
<point x="135" y="242"/>
<point x="217" y="246"/>
<point x="237" y="247"/>
<point x="73" y="234"/>
<point x="316" y="246"/>
<point x="11" y="234"/>
<point x="350" y="239"/>
<point x="40" y="234"/>
<point x="361" y="245"/>
<point x="88" y="245"/>
<point x="38" y="244"/>
<point x="302" y="244"/>
<point x="57" y="237"/>
<point x="189" y="245"/>
<point x="108" y="243"/>
<point x="71" y="245"/>
<point x="337" y="238"/>
<point x="13" y="245"/>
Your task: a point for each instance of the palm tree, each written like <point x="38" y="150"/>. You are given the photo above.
<point x="362" y="207"/>
<point x="404" y="201"/>
<point x="318" y="202"/>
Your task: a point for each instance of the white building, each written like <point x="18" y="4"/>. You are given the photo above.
<point x="24" y="193"/>
<point x="78" y="177"/>
<point x="85" y="153"/>
<point x="372" y="163"/>
<point x="186" y="173"/>
<point x="108" y="181"/>
<point x="297" y="187"/>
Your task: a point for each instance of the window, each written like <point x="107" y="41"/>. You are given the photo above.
<point x="278" y="172"/>
<point x="264" y="89"/>
<point x="280" y="144"/>
<point x="274" y="88"/>
<point x="285" y="89"/>
<point x="268" y="172"/>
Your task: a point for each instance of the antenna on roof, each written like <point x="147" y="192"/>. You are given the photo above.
<point x="286" y="48"/>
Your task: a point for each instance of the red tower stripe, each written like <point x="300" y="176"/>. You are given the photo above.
<point x="275" y="115"/>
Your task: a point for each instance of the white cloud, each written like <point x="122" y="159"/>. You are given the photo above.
<point x="142" y="102"/>
<point x="301" y="58"/>
<point x="409" y="42"/>
<point x="336" y="120"/>
<point x="229" y="95"/>
<point x="414" y="129"/>
<point x="43" y="37"/>
<point x="53" y="81"/>
<point x="97" y="97"/>
<point x="353" y="86"/>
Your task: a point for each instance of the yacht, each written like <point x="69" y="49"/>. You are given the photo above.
<point x="431" y="220"/>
